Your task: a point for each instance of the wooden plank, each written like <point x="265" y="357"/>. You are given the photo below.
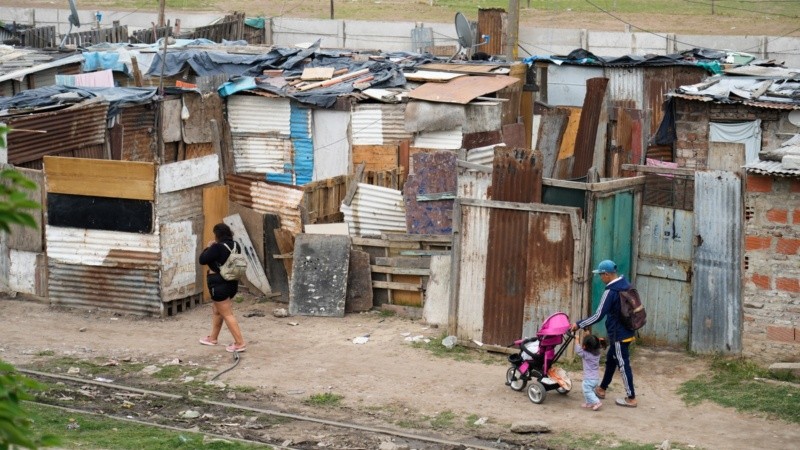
<point x="215" y="208"/>
<point x="353" y="187"/>
<point x="442" y="238"/>
<point x="186" y="174"/>
<point x="396" y="286"/>
<point x="255" y="271"/>
<point x="376" y="157"/>
<point x="359" y="283"/>
<point x="460" y="68"/>
<point x="437" y="292"/>
<point x="462" y="90"/>
<point x="371" y="242"/>
<point x="285" y="240"/>
<point x="100" y="178"/>
<point x="317" y="73"/>
<point x="424" y="252"/>
<point x="399" y="261"/>
<point x="431" y="75"/>
<point x="658" y="170"/>
<point x="400" y="270"/>
<point x="320" y="271"/>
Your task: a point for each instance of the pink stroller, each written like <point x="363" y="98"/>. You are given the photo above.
<point x="535" y="361"/>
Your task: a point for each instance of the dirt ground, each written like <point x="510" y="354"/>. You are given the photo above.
<point x="296" y="357"/>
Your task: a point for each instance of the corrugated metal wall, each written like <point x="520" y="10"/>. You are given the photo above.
<point x="378" y="124"/>
<point x="375" y="210"/>
<point x="524" y="278"/>
<point x="138" y="133"/>
<point x="474" y="184"/>
<point x="68" y="131"/>
<point x="104" y="269"/>
<point x="471" y="242"/>
<point x="301" y="171"/>
<point x="260" y="130"/>
<point x="663" y="273"/>
<point x="254" y="192"/>
<point x="440" y="140"/>
<point x="717" y="282"/>
<point x="566" y="84"/>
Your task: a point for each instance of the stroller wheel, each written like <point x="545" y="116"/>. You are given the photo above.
<point x="536" y="392"/>
<point x="562" y="391"/>
<point x="515" y="380"/>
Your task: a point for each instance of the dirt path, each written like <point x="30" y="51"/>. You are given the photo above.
<point x="317" y="355"/>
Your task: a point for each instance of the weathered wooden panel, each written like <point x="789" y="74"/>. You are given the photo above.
<point x="171" y="120"/>
<point x="179" y="252"/>
<point x="202" y="109"/>
<point x="319" y="275"/>
<point x="462" y="90"/>
<point x="27" y="273"/>
<point x="550" y="135"/>
<point x="255" y="270"/>
<point x="189" y="173"/>
<point x="25" y="238"/>
<point x="728" y="156"/>
<point x="376" y="157"/>
<point x="437" y="293"/>
<point x="322" y="199"/>
<point x="116" y="179"/>
<point x="468" y="288"/>
<point x="359" y="283"/>
<point x="215" y="208"/>
<point x="331" y="143"/>
<point x="492" y="22"/>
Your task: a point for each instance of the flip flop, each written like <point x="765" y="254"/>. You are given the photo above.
<point x="624" y="402"/>
<point x="233" y="348"/>
<point x="598" y="394"/>
<point x="207" y="341"/>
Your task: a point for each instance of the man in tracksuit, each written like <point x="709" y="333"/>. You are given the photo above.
<point x="619" y="336"/>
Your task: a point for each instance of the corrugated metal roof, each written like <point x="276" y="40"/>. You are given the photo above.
<point x="774" y="168"/>
<point x="253" y="191"/>
<point x="257" y="114"/>
<point x="18" y="63"/>
<point x="442" y="140"/>
<point x="375" y="210"/>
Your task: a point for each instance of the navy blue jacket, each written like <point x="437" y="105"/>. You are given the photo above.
<point x="609" y="308"/>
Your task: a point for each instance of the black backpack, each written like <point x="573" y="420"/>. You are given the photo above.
<point x="632" y="313"/>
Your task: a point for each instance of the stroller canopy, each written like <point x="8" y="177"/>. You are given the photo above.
<point x="555" y="325"/>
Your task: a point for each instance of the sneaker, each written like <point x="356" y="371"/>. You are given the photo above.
<point x="627" y="402"/>
<point x="597" y="406"/>
<point x="600" y="392"/>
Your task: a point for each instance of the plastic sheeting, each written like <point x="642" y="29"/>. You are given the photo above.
<point x="117" y="97"/>
<point x="747" y="133"/>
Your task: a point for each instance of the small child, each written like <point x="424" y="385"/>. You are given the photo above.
<point x="590" y="353"/>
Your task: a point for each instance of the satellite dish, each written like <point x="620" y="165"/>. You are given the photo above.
<point x="464" y="32"/>
<point x="73" y="18"/>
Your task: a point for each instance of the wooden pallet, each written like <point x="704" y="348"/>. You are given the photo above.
<point x="323" y="198"/>
<point x="400" y="265"/>
<point x="184" y="304"/>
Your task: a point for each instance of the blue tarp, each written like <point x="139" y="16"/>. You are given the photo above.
<point x="117" y="97"/>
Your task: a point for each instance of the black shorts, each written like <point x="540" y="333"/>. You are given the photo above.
<point x="220" y="288"/>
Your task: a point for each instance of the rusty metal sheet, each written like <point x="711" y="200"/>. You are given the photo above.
<point x="178" y="206"/>
<point x="514" y="135"/>
<point x="254" y="192"/>
<point x="587" y="129"/>
<point x="516" y="176"/>
<point x="434" y="173"/>
<point x="491" y="22"/>
<point x="469" y="273"/>
<point x="67" y="131"/>
<point x="104" y="269"/>
<point x="138" y="133"/>
<point x="482" y="139"/>
<point x="551" y="134"/>
<point x="462" y="90"/>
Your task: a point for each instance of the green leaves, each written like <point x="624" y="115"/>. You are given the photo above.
<point x="15" y="423"/>
<point x="14" y="201"/>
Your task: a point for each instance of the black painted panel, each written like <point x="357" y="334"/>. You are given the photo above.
<point x="100" y="213"/>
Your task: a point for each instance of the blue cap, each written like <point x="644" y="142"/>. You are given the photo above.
<point x="606" y="266"/>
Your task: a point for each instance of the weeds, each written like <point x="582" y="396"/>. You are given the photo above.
<point x="733" y="383"/>
<point x="327" y="399"/>
<point x="46" y="353"/>
<point x="443" y="420"/>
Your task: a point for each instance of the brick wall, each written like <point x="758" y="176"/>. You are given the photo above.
<point x="771" y="330"/>
<point x="691" y="127"/>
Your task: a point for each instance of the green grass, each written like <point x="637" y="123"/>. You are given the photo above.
<point x="327" y="399"/>
<point x="443" y="420"/>
<point x="596" y="442"/>
<point x="46" y="353"/>
<point x="732" y="384"/>
<point x="387" y="313"/>
<point x="96" y="432"/>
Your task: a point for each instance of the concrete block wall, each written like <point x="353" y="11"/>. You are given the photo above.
<point x="771" y="295"/>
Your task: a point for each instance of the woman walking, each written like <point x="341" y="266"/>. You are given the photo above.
<point x="222" y="291"/>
